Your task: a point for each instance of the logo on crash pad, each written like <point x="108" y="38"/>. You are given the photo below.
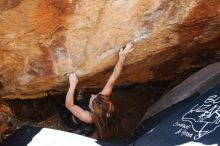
<point x="204" y="118"/>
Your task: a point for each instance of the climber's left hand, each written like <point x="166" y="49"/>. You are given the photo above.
<point x="73" y="79"/>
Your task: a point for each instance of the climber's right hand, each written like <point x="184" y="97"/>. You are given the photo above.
<point x="124" y="52"/>
<point x="73" y="79"/>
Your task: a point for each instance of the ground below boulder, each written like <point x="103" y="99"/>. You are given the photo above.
<point x="44" y="112"/>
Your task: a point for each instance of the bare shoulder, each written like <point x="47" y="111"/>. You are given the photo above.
<point x="90" y="118"/>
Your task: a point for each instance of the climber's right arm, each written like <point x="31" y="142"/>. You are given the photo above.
<point x="107" y="90"/>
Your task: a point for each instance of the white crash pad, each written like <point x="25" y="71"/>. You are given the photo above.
<point x="51" y="137"/>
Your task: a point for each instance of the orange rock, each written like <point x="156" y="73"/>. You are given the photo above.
<point x="41" y="40"/>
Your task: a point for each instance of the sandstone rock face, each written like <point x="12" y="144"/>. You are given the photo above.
<point x="41" y="40"/>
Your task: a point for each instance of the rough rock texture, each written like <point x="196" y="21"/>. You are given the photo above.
<point x="3" y="127"/>
<point x="41" y="40"/>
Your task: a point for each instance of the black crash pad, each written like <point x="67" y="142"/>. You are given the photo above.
<point x="194" y="121"/>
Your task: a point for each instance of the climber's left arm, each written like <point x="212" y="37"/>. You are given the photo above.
<point x="77" y="111"/>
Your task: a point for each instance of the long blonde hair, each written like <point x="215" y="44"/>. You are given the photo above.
<point x="104" y="117"/>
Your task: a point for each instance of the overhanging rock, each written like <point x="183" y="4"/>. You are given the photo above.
<point x="41" y="40"/>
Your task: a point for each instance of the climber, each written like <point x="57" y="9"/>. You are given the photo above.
<point x="100" y="109"/>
